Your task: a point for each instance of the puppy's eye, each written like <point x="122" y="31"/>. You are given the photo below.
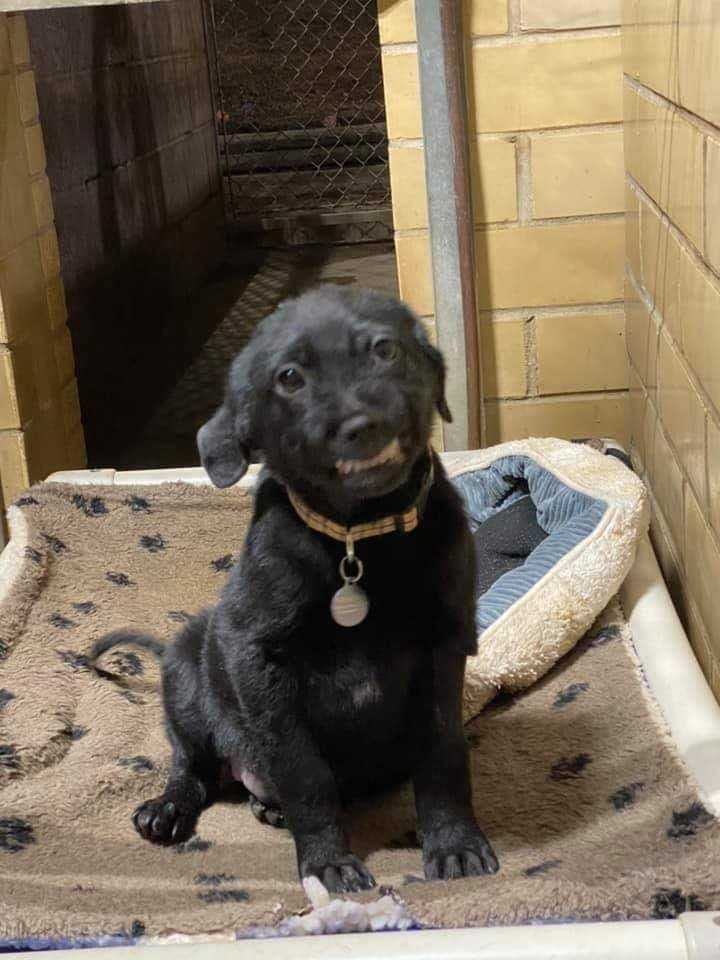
<point x="386" y="349"/>
<point x="290" y="379"/>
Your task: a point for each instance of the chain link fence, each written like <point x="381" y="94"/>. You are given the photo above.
<point x="301" y="118"/>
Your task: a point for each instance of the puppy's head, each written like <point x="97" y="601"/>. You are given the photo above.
<point x="336" y="390"/>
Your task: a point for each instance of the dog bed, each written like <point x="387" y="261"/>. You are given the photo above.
<point x="592" y="812"/>
<point x="566" y="519"/>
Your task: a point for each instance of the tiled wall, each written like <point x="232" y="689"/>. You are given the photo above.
<point x="39" y="412"/>
<point x="129" y="132"/>
<point x="671" y="56"/>
<point x="545" y="103"/>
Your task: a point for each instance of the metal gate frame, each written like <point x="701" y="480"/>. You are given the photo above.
<point x="441" y="57"/>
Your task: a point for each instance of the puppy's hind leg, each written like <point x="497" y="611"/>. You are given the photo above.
<point x="272" y="816"/>
<point x="195" y="770"/>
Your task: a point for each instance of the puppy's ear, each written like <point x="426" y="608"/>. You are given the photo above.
<point x="222" y="451"/>
<point x="437" y="363"/>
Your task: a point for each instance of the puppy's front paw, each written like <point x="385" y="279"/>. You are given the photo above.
<point x="164" y="821"/>
<point x="460" y="851"/>
<point x="345" y="874"/>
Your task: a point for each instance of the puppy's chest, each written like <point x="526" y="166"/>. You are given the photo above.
<point x="350" y="686"/>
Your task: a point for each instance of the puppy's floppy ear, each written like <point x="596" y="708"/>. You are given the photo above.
<point x="224" y="441"/>
<point x="227" y="440"/>
<point x="436" y="361"/>
<point x="222" y="451"/>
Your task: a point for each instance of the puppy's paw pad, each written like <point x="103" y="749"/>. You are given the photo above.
<point x="346" y="874"/>
<point x="474" y="858"/>
<point x="164" y="821"/>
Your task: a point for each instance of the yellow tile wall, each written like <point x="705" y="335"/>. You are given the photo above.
<point x="545" y="108"/>
<point x="698" y="57"/>
<point x="669" y="485"/>
<point x="581" y="353"/>
<point x="563" y="262"/>
<point x="578" y="174"/>
<point x="641" y="336"/>
<point x="40" y="429"/>
<point x="396" y="19"/>
<point x="681" y="411"/>
<point x="660" y="268"/>
<point x="493" y="162"/>
<point x="571" y="417"/>
<point x="650" y="44"/>
<point x="671" y="58"/>
<point x="712" y="200"/>
<point x="503" y="349"/>
<point x="558" y="82"/>
<point x="569" y="14"/>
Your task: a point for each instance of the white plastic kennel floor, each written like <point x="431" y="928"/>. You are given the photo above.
<point x="693" y="717"/>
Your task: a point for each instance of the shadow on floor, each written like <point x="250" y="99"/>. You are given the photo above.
<point x="219" y="322"/>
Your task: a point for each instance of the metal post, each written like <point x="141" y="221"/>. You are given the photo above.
<point x="450" y="213"/>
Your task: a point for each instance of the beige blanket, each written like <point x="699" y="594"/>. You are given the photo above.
<point x="588" y="806"/>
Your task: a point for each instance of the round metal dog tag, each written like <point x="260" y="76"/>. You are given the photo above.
<point x="349" y="605"/>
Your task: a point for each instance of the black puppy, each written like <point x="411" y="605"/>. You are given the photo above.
<point x="337" y="391"/>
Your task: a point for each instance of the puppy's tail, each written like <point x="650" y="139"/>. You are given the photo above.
<point x="121" y="638"/>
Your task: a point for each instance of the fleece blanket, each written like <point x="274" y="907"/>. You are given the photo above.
<point x="591" y="811"/>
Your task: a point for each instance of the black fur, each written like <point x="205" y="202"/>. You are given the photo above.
<point x="124" y="637"/>
<point x="316" y="713"/>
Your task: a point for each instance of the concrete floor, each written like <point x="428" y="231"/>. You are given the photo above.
<point x="249" y="287"/>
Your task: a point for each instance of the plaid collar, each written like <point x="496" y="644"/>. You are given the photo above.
<point x="395" y="523"/>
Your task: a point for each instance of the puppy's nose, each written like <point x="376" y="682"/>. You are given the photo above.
<point x="359" y="429"/>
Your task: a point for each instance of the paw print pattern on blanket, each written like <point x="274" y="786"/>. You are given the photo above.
<point x="153" y="543"/>
<point x="74" y="660"/>
<point x="686" y="823"/>
<point x="138" y="504"/>
<point x="9" y="758"/>
<point x="56" y="545"/>
<point x="61" y="622"/>
<point x="669" y="904"/>
<point x="92" y="507"/>
<point x="625" y="797"/>
<point x="127" y="663"/>
<point x="119" y="579"/>
<point x="570" y="768"/>
<point x="15" y="834"/>
<point x="96" y="745"/>
<point x="85" y="607"/>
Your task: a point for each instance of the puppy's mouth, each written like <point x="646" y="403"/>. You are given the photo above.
<point x="390" y="455"/>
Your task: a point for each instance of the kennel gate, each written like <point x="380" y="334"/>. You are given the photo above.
<point x="301" y="118"/>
